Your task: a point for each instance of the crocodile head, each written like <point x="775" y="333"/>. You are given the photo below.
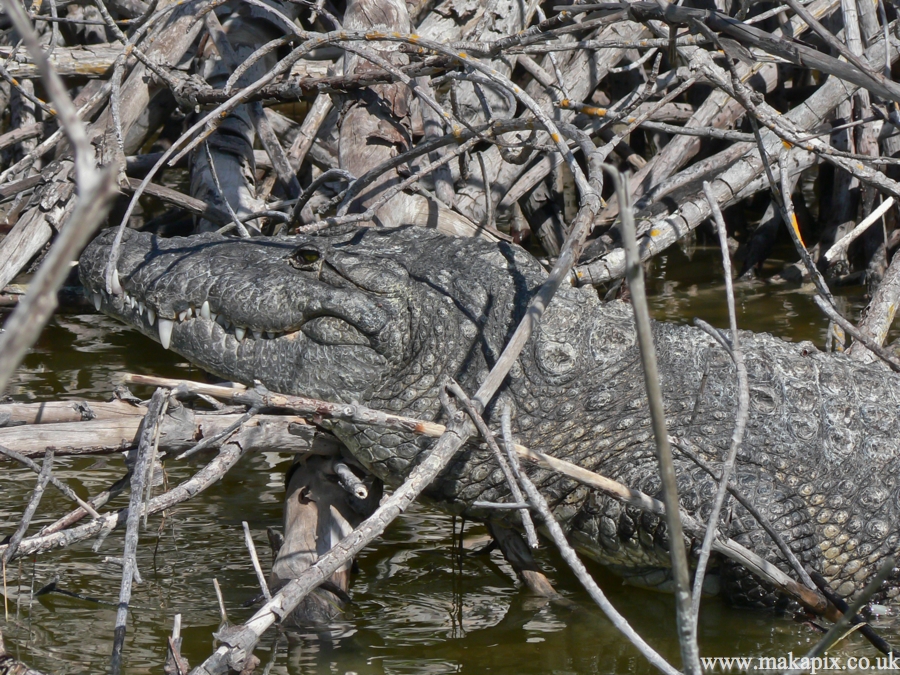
<point x="285" y="311"/>
<point x="380" y="316"/>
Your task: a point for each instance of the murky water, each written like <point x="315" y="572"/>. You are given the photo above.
<point x="418" y="606"/>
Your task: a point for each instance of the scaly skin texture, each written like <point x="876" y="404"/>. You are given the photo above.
<point x="383" y="317"/>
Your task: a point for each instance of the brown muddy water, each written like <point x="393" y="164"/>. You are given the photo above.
<point x="418" y="606"/>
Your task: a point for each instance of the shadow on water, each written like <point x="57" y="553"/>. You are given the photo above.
<point x="416" y="608"/>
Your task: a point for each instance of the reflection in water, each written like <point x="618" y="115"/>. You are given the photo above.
<point x="417" y="607"/>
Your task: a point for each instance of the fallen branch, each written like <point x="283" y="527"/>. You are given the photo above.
<point x="13" y="545"/>
<point x="58" y="484"/>
<point x="139" y="483"/>
<point x="686" y="621"/>
<point x="179" y="433"/>
<point x="210" y="474"/>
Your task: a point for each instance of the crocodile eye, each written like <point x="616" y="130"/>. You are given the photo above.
<point x="305" y="258"/>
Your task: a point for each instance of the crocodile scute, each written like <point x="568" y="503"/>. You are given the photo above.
<point x="385" y="316"/>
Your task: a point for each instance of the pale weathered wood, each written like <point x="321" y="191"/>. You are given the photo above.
<point x="177" y="434"/>
<point x="205" y="209"/>
<point x="81" y="60"/>
<point x="22" y="116"/>
<point x="225" y="172"/>
<point x="34" y="229"/>
<point x="739" y="181"/>
<point x="52" y="412"/>
<point x="583" y="72"/>
<point x="717" y="110"/>
<point x="861" y="76"/>
<point x="879" y="314"/>
<point x="96" y="60"/>
<point x="48" y="212"/>
<point x="376" y="126"/>
<point x="16" y="135"/>
<point x="318" y="513"/>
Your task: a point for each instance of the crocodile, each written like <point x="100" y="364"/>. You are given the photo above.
<point x="384" y="317"/>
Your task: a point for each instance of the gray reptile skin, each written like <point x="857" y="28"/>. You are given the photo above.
<point x="382" y="317"/>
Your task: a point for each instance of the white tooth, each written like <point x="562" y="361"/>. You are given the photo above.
<point x="239" y="333"/>
<point x="183" y="316"/>
<point x="151" y="315"/>
<point x="204" y="310"/>
<point x="165" y="332"/>
<point x="97" y="301"/>
<point x="141" y="307"/>
<point x="115" y="285"/>
<point x="257" y="334"/>
<point x="213" y="316"/>
<point x="270" y="335"/>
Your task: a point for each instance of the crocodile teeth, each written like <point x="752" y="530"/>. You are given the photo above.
<point x="140" y="306"/>
<point x="239" y="333"/>
<point x="213" y="316"/>
<point x="185" y="315"/>
<point x="204" y="310"/>
<point x="257" y="334"/>
<point x="165" y="332"/>
<point x="114" y="283"/>
<point x="97" y="301"/>
<point x="270" y="335"/>
<point x="151" y="315"/>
